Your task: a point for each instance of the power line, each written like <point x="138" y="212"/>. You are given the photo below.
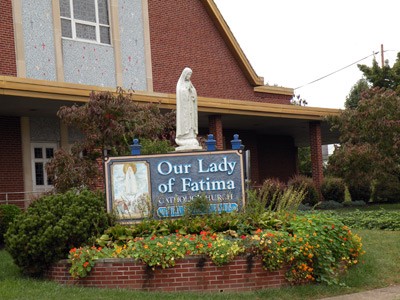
<point x="373" y="54"/>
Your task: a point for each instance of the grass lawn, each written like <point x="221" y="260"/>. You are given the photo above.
<point x="379" y="268"/>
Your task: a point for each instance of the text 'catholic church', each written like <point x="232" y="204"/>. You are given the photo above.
<point x="55" y="52"/>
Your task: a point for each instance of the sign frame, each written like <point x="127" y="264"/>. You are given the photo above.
<point x="138" y="186"/>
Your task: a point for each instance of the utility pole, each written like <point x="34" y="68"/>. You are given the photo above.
<point x="382" y="56"/>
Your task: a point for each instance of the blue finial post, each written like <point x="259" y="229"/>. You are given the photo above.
<point x="135" y="148"/>
<point x="236" y="143"/>
<point x="211" y="143"/>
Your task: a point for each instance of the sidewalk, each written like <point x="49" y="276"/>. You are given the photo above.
<point x="388" y="293"/>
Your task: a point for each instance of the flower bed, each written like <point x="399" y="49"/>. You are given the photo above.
<point x="308" y="248"/>
<point x="192" y="273"/>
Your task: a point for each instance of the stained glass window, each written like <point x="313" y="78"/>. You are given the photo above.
<point x="85" y="20"/>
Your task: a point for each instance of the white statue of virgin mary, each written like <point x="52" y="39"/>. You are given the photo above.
<point x="186" y="113"/>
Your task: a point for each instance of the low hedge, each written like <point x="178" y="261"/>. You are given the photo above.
<point x="333" y="188"/>
<point x="8" y="212"/>
<point x="52" y="225"/>
<point x="372" y="219"/>
<point x="311" y="193"/>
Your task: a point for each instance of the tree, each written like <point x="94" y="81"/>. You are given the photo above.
<point x="304" y="158"/>
<point x="355" y="93"/>
<point x="370" y="139"/>
<point x="375" y="76"/>
<point x="108" y="122"/>
<point x="385" y="76"/>
<point x="369" y="127"/>
<point x="297" y="100"/>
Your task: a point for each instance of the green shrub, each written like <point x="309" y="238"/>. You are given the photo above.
<point x="270" y="193"/>
<point x="304" y="207"/>
<point x="374" y="219"/>
<point x="199" y="205"/>
<point x="354" y="203"/>
<point x="8" y="212"/>
<point x="386" y="191"/>
<point x="52" y="225"/>
<point x="330" y="204"/>
<point x="311" y="193"/>
<point x="155" y="146"/>
<point x="333" y="189"/>
<point x="360" y="191"/>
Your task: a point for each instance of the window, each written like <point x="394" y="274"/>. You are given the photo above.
<point x="41" y="154"/>
<point x="85" y="20"/>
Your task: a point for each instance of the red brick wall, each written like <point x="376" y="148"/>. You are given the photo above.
<point x="277" y="157"/>
<point x="183" y="35"/>
<point x="189" y="274"/>
<point x="316" y="153"/>
<point x="7" y="47"/>
<point x="215" y="127"/>
<point x="270" y="156"/>
<point x="11" y="166"/>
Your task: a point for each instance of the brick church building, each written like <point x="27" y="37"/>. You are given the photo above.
<point x="55" y="52"/>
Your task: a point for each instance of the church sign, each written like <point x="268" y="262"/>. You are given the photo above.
<point x="161" y="185"/>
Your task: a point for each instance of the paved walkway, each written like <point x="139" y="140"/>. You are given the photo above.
<point x="388" y="293"/>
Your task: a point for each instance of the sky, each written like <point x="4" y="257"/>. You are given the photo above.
<point x="294" y="42"/>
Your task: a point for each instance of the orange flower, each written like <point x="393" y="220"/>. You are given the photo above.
<point x="85" y="264"/>
<point x="73" y="250"/>
<point x="258" y="230"/>
<point x="209" y="245"/>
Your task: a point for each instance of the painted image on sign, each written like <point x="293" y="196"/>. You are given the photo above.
<point x="131" y="189"/>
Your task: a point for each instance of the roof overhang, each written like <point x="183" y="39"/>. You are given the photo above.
<point x="30" y="97"/>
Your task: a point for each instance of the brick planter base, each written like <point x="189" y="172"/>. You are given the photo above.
<point x="189" y="274"/>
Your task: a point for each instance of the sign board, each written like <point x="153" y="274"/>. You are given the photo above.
<point x="161" y="185"/>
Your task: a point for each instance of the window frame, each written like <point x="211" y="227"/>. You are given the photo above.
<point x="44" y="160"/>
<point x="95" y="24"/>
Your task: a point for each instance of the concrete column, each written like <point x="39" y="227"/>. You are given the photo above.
<point x="316" y="153"/>
<point x="215" y="127"/>
<point x="26" y="156"/>
<point x="147" y="46"/>
<point x="116" y="41"/>
<point x="58" y="41"/>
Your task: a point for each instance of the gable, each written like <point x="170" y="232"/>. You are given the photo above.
<point x="184" y="34"/>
